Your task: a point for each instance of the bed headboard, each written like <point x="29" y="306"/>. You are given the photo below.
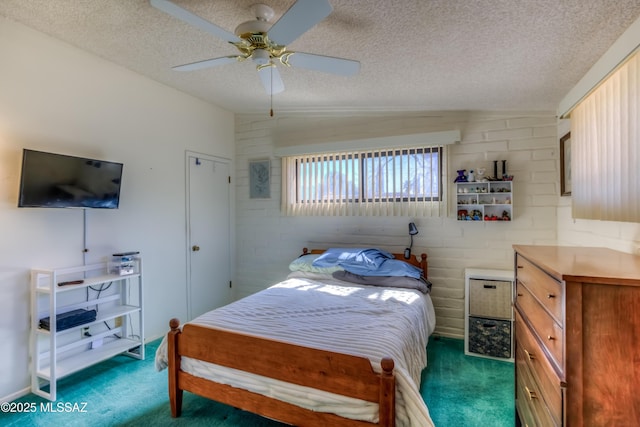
<point x="421" y="262"/>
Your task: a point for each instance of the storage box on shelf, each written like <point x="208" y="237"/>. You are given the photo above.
<point x="489" y="313"/>
<point x="484" y="201"/>
<point x="123" y="264"/>
<point x="81" y="316"/>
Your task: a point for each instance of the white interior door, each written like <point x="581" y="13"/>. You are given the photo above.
<point x="209" y="233"/>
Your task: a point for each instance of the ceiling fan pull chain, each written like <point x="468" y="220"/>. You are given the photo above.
<point x="271" y="94"/>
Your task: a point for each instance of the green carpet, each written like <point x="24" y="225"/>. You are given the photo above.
<point x="459" y="391"/>
<point x="464" y="390"/>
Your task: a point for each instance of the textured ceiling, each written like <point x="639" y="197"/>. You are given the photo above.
<point x="415" y="54"/>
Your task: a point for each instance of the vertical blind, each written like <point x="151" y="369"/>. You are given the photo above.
<point x="383" y="182"/>
<point x="605" y="132"/>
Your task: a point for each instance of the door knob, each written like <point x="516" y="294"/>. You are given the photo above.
<point x="195" y="248"/>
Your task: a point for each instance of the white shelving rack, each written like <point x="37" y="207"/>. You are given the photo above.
<point x="484" y="201"/>
<point x="117" y="329"/>
<point x="488" y="313"/>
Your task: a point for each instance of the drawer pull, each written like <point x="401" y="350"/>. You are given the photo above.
<point x="529" y="355"/>
<point x="550" y="338"/>
<point x="550" y="296"/>
<point x="532" y="394"/>
<point x="520" y="266"/>
<point x="519" y="295"/>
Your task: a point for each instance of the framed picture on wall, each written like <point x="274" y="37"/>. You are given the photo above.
<point x="565" y="165"/>
<point x="260" y="179"/>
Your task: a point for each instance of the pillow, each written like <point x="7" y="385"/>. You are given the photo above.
<point x="305" y="263"/>
<point x="365" y="257"/>
<point x="421" y="284"/>
<point x="310" y="275"/>
<point x="390" y="267"/>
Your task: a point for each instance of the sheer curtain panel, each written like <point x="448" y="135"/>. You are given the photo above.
<point x="605" y="133"/>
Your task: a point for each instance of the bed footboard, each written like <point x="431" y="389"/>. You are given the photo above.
<point x="338" y="373"/>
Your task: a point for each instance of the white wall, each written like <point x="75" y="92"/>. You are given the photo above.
<point x="267" y="241"/>
<point x="54" y="97"/>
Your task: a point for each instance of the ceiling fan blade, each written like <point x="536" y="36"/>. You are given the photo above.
<point x="300" y="17"/>
<point x="271" y="80"/>
<point x="207" y="63"/>
<point x="326" y="64"/>
<point x="193" y="19"/>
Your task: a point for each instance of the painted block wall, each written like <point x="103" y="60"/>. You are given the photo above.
<point x="267" y="240"/>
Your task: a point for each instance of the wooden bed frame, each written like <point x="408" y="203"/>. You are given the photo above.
<point x="338" y="373"/>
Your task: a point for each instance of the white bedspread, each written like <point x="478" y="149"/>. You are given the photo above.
<point x="368" y="321"/>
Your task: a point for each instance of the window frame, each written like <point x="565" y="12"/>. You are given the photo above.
<point x="363" y="183"/>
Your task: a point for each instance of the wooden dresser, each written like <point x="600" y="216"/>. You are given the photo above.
<point x="577" y="333"/>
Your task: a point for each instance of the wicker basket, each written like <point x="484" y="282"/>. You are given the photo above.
<point x="490" y="298"/>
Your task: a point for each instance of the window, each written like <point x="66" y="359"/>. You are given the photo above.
<point x="605" y="154"/>
<point x="402" y="181"/>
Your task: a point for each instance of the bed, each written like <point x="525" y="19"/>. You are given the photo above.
<point x="323" y="347"/>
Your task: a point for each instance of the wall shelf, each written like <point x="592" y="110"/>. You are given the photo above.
<point x="484" y="201"/>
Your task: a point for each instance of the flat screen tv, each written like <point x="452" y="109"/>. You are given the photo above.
<point x="51" y="180"/>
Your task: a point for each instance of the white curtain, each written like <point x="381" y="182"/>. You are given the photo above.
<point x="605" y="134"/>
<point x="397" y="182"/>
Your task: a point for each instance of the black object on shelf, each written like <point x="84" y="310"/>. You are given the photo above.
<point x="69" y="319"/>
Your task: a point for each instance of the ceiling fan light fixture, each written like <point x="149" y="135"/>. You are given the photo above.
<point x="261" y="57"/>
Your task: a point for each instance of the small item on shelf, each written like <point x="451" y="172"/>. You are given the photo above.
<point x="124" y="263"/>
<point x="471" y="177"/>
<point x="480" y="175"/>
<point x="126" y="254"/>
<point x="71" y="282"/>
<point x="69" y="319"/>
<point x="461" y="176"/>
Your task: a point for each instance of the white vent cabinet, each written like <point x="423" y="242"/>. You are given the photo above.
<point x="107" y="303"/>
<point x="484" y="201"/>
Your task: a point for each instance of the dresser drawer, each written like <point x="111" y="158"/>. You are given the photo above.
<point x="550" y="334"/>
<point x="545" y="288"/>
<point x="490" y="298"/>
<point x="524" y="409"/>
<point x="531" y="406"/>
<point x="528" y="350"/>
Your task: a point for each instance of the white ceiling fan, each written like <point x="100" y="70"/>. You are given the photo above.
<point x="265" y="44"/>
